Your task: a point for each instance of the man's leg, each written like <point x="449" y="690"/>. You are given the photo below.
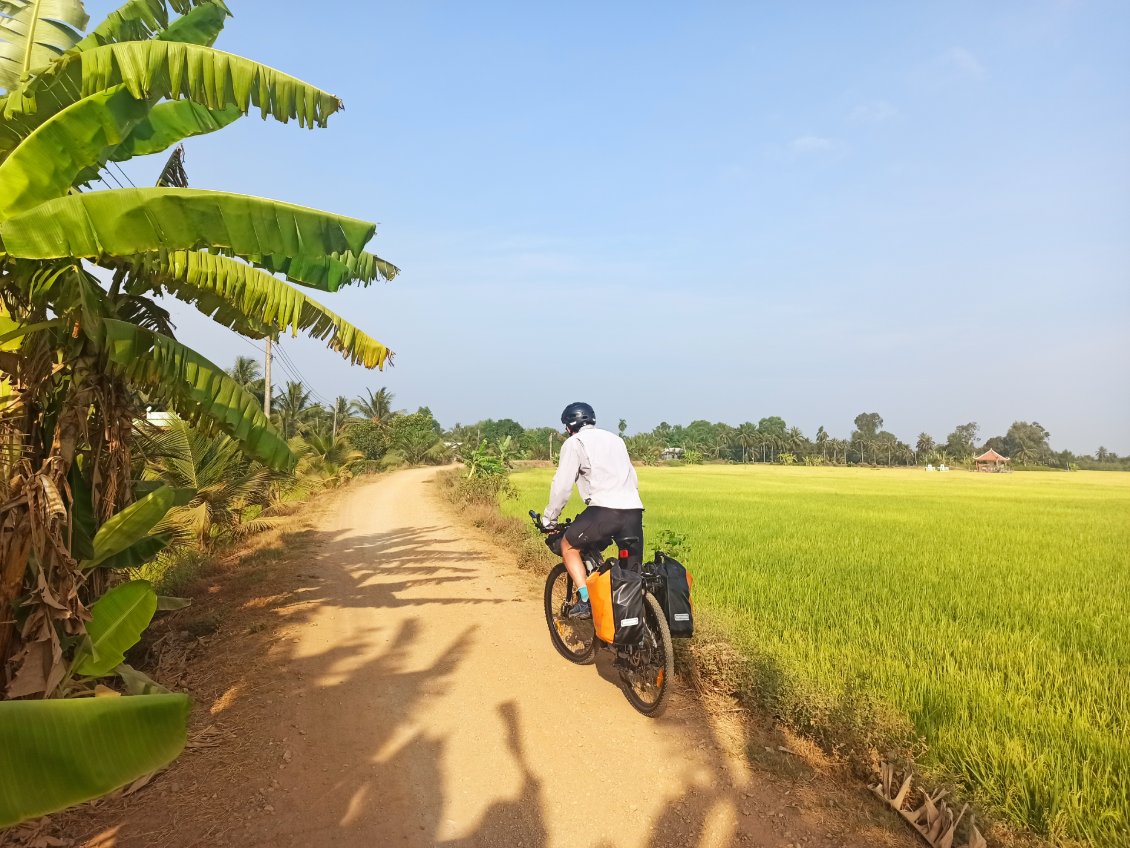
<point x="573" y="564"/>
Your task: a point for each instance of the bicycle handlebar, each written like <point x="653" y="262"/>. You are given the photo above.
<point x="557" y="528"/>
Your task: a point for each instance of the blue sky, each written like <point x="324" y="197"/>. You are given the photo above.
<point x="720" y="211"/>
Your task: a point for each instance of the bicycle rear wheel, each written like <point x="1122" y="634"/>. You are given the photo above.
<point x="647" y="677"/>
<point x="573" y="638"/>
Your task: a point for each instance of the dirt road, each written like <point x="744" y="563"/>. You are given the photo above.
<point x="397" y="688"/>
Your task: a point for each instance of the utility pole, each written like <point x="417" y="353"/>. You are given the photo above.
<point x="267" y="381"/>
<point x="333" y="438"/>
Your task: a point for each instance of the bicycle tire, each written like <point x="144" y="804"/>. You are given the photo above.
<point x="565" y="632"/>
<point x="654" y="679"/>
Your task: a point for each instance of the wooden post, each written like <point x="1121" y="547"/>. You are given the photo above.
<point x="267" y="381"/>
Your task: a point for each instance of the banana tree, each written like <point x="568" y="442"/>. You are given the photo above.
<point x="82" y="332"/>
<point x="60" y="752"/>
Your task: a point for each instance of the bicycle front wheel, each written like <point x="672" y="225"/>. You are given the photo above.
<point x="573" y="638"/>
<point x="647" y="677"/>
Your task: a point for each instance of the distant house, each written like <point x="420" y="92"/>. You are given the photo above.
<point x="991" y="461"/>
<point x="668" y="454"/>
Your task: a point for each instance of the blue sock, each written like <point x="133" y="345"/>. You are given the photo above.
<point x="583" y="591"/>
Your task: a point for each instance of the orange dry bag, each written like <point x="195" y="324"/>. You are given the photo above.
<point x="616" y="595"/>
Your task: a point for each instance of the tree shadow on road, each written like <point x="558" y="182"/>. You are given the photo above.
<point x="327" y="747"/>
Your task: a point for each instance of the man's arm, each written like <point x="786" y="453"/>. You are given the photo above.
<point x="568" y="467"/>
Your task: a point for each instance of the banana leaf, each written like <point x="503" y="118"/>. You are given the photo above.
<point x="140" y="20"/>
<point x="201" y="25"/>
<point x="166" y="124"/>
<point x="81" y="137"/>
<point x="209" y="281"/>
<point x="33" y="33"/>
<point x="61" y="752"/>
<point x="197" y="389"/>
<point x="171" y="122"/>
<point x="130" y="526"/>
<point x="330" y="272"/>
<point x="139" y="553"/>
<point x="129" y="221"/>
<point x="117" y="620"/>
<point x="156" y="70"/>
<point x="135" y="20"/>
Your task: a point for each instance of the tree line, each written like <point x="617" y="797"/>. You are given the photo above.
<point x="773" y="440"/>
<point x="366" y="428"/>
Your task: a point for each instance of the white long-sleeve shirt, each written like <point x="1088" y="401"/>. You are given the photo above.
<point x="597" y="461"/>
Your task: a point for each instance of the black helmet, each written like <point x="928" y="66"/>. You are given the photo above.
<point x="577" y="415"/>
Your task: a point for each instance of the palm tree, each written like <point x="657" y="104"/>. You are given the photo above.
<point x="79" y="349"/>
<point x="224" y="482"/>
<point x="342" y="415"/>
<point x="822" y="441"/>
<point x="377" y="407"/>
<point x="796" y="441"/>
<point x="747" y="438"/>
<point x="330" y="458"/>
<point x="925" y="444"/>
<point x="724" y="439"/>
<point x="246" y="371"/>
<point x="292" y="408"/>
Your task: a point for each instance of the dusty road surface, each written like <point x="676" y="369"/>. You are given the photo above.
<point x="386" y="680"/>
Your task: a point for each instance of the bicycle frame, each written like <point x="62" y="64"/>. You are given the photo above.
<point x="593" y="559"/>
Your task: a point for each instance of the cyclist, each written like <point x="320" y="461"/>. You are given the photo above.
<point x="597" y="461"/>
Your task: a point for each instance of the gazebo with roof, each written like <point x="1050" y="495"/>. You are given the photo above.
<point x="990" y="460"/>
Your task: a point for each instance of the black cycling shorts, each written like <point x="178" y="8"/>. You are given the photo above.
<point x="599" y="526"/>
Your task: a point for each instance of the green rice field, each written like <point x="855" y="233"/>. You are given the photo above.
<point x="990" y="611"/>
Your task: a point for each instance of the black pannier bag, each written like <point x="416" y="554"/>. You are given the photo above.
<point x="675" y="598"/>
<point x="617" y="601"/>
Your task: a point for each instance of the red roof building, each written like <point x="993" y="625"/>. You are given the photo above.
<point x="990" y="460"/>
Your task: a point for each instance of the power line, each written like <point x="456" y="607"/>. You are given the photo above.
<point x="123" y="173"/>
<point x="117" y="182"/>
<point x="291" y="367"/>
<point x="288" y="365"/>
<point x="301" y="378"/>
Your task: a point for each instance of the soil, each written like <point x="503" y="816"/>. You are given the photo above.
<point x="375" y="675"/>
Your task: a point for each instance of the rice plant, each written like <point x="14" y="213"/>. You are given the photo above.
<point x="988" y="612"/>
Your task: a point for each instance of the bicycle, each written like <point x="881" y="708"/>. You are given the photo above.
<point x="647" y="665"/>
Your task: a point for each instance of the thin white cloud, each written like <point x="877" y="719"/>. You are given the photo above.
<point x="872" y="112"/>
<point x="812" y="144"/>
<point x="965" y="63"/>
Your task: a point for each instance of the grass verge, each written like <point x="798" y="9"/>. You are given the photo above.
<point x="849" y="730"/>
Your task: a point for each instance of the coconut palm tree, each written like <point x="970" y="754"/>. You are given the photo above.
<point x="925" y="444"/>
<point x="247" y="373"/>
<point x="342" y="415"/>
<point x="292" y="408"/>
<point x="746" y="437"/>
<point x="224" y="483"/>
<point x="246" y="370"/>
<point x="377" y="407"/>
<point x="332" y="459"/>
